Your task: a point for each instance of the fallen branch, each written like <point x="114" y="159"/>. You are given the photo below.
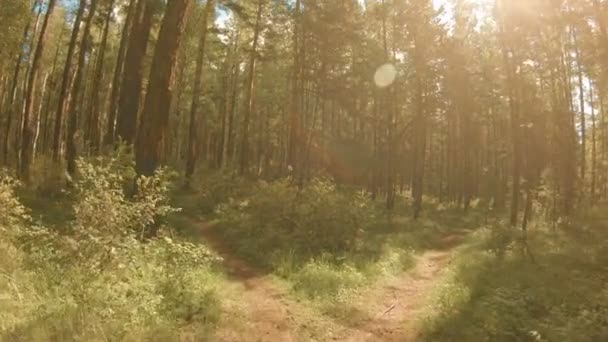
<point x="389" y="309"/>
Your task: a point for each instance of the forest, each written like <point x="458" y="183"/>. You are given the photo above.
<point x="304" y="170"/>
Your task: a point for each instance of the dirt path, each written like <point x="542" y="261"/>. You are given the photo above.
<point x="266" y="310"/>
<point x="395" y="308"/>
<point x="268" y="314"/>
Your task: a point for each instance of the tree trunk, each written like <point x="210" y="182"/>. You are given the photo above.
<point x="118" y="71"/>
<point x="13" y="92"/>
<point x="63" y="93"/>
<point x="29" y="120"/>
<point x="249" y="92"/>
<point x="515" y="127"/>
<point x="193" y="131"/>
<point x="581" y="90"/>
<point x="93" y="129"/>
<point x="295" y="115"/>
<point x="230" y="98"/>
<point x="155" y="116"/>
<point x="74" y="108"/>
<point x="131" y="85"/>
<point x="593" y="145"/>
<point x="46" y="117"/>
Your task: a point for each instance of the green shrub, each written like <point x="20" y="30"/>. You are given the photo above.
<point x="219" y="188"/>
<point x="319" y="278"/>
<point x="13" y="212"/>
<point x="102" y="276"/>
<point x="561" y="296"/>
<point x="278" y="218"/>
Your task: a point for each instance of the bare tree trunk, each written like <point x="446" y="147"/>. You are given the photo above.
<point x="593" y="144"/>
<point x="581" y="90"/>
<point x="118" y="71"/>
<point x="155" y="116"/>
<point x="295" y="115"/>
<point x="65" y="83"/>
<point x="249" y="92"/>
<point x="39" y="114"/>
<point x="93" y="129"/>
<point x="74" y="108"/>
<point x="29" y="119"/>
<point x="131" y="85"/>
<point x="515" y="127"/>
<point x="46" y="117"/>
<point x="193" y="132"/>
<point x="10" y="110"/>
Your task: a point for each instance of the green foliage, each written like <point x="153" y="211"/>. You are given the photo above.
<point x="220" y="188"/>
<point x="278" y="218"/>
<point x="13" y="15"/>
<point x="101" y="275"/>
<point x="13" y="212"/>
<point x="504" y="296"/>
<point x="323" y="279"/>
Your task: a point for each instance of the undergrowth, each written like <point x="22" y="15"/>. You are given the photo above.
<point x="329" y="243"/>
<point x="112" y="271"/>
<point x="497" y="292"/>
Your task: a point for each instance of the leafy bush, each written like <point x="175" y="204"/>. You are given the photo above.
<point x="219" y="188"/>
<point x="278" y="219"/>
<point x="13" y="212"/>
<point x="562" y="296"/>
<point x="319" y="278"/>
<point x="103" y="275"/>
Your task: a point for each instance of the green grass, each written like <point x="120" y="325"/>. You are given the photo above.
<point x="561" y="296"/>
<point x="289" y="234"/>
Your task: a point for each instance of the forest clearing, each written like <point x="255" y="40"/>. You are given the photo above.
<point x="304" y="170"/>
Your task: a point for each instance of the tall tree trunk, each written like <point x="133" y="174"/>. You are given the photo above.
<point x="249" y="92"/>
<point x="155" y="116"/>
<point x="75" y="107"/>
<point x="419" y="151"/>
<point x="295" y="115"/>
<point x="230" y="94"/>
<point x="581" y="90"/>
<point x="45" y="83"/>
<point x="118" y="71"/>
<point x="93" y="129"/>
<point x="46" y="117"/>
<point x="10" y="110"/>
<point x="29" y="120"/>
<point x="512" y="84"/>
<point x="65" y="83"/>
<point x="194" y="109"/>
<point x="593" y="144"/>
<point x="131" y="85"/>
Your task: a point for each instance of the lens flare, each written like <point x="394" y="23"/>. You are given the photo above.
<point x="385" y="75"/>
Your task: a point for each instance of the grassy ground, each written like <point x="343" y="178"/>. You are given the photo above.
<point x="336" y="289"/>
<point x="559" y="295"/>
<point x="319" y="264"/>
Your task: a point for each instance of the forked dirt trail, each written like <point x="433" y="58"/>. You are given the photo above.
<point x="266" y="310"/>
<point x="396" y="307"/>
<point x="269" y="315"/>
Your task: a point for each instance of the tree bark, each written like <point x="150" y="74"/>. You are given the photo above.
<point x="581" y="90"/>
<point x="295" y="115"/>
<point x="194" y="109"/>
<point x="118" y="71"/>
<point x="131" y="85"/>
<point x="10" y="112"/>
<point x="63" y="93"/>
<point x="29" y="120"/>
<point x="74" y="108"/>
<point x="249" y="92"/>
<point x="155" y="116"/>
<point x="93" y="129"/>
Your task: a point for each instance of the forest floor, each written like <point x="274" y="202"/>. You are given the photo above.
<point x="390" y="310"/>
